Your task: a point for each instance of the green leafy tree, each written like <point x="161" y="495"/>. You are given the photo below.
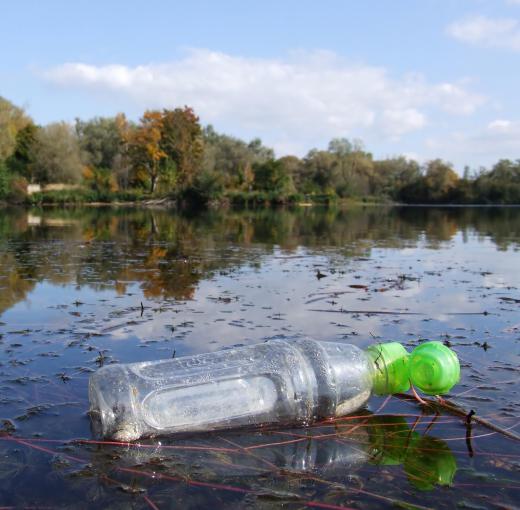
<point x="21" y="160"/>
<point x="272" y="176"/>
<point x="440" y="180"/>
<point x="56" y="155"/>
<point x="4" y="181"/>
<point x="232" y="158"/>
<point x="355" y="173"/>
<point x="226" y="156"/>
<point x="501" y="185"/>
<point x="12" y="120"/>
<point x="182" y="142"/>
<point x="260" y="151"/>
<point x="100" y="140"/>
<point x="341" y="146"/>
<point x="319" y="172"/>
<point x="395" y="174"/>
<point x="293" y="168"/>
<point x="345" y="169"/>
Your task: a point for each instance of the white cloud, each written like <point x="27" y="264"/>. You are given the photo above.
<point x="488" y="32"/>
<point x="499" y="139"/>
<point x="501" y="126"/>
<point x="298" y="101"/>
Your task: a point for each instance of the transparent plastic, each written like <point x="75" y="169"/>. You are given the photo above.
<point x="276" y="382"/>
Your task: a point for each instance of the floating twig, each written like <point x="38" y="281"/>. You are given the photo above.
<point x="371" y="312"/>
<point x="457" y="410"/>
<point x="379" y="312"/>
<point x="468" y="433"/>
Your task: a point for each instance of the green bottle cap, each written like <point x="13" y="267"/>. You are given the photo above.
<point x="434" y="368"/>
<point x="390" y="368"/>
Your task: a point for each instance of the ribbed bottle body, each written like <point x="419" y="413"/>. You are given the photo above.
<point x="276" y="382"/>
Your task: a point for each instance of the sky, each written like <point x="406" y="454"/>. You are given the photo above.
<point x="422" y="78"/>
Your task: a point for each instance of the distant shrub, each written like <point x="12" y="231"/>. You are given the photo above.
<point x="130" y="195"/>
<point x="57" y="197"/>
<point x="262" y="198"/>
<point x="17" y="189"/>
<point x="296" y="198"/>
<point x="82" y="196"/>
<point x="206" y="187"/>
<point x="248" y="198"/>
<point x="324" y="198"/>
<point x="4" y="181"/>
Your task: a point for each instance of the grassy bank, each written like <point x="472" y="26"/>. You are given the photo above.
<point x="239" y="199"/>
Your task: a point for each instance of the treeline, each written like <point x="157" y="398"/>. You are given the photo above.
<point x="169" y="154"/>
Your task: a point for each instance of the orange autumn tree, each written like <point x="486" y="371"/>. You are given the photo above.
<point x="166" y="147"/>
<point x="144" y="146"/>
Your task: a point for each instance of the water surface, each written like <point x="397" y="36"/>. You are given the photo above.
<point x="86" y="287"/>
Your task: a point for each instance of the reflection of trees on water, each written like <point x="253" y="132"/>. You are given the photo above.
<point x="168" y="253"/>
<point x="500" y="224"/>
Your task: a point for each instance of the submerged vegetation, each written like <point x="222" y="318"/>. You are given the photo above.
<point x="168" y="154"/>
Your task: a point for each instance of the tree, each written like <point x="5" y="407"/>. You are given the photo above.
<point x="355" y="171"/>
<point x="4" y="181"/>
<point x="395" y="174"/>
<point x="144" y="146"/>
<point x="501" y="185"/>
<point x="233" y="158"/>
<point x="345" y="169"/>
<point x="319" y="172"/>
<point x="56" y="155"/>
<point x="292" y="167"/>
<point x="99" y="179"/>
<point x="271" y="176"/>
<point x="505" y="171"/>
<point x="341" y="146"/>
<point x="181" y="141"/>
<point x="12" y="120"/>
<point x="260" y="152"/>
<point x="100" y="140"/>
<point x="440" y="180"/>
<point x="121" y="164"/>
<point x="21" y="161"/>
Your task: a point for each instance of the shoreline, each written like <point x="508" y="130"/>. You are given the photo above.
<point x="167" y="203"/>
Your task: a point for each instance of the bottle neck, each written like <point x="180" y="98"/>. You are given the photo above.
<point x="344" y="376"/>
<point x="391" y="368"/>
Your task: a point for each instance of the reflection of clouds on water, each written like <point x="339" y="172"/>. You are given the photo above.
<point x="497" y="281"/>
<point x="271" y="300"/>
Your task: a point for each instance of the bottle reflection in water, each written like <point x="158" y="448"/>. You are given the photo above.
<point x="378" y="441"/>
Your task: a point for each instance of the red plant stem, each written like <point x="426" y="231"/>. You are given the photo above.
<point x="150" y="502"/>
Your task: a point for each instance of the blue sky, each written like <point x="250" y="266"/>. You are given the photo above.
<point x="424" y="78"/>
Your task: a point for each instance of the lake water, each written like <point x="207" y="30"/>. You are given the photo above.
<point x="71" y="287"/>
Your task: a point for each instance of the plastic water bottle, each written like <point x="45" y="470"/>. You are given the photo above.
<point x="276" y="382"/>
